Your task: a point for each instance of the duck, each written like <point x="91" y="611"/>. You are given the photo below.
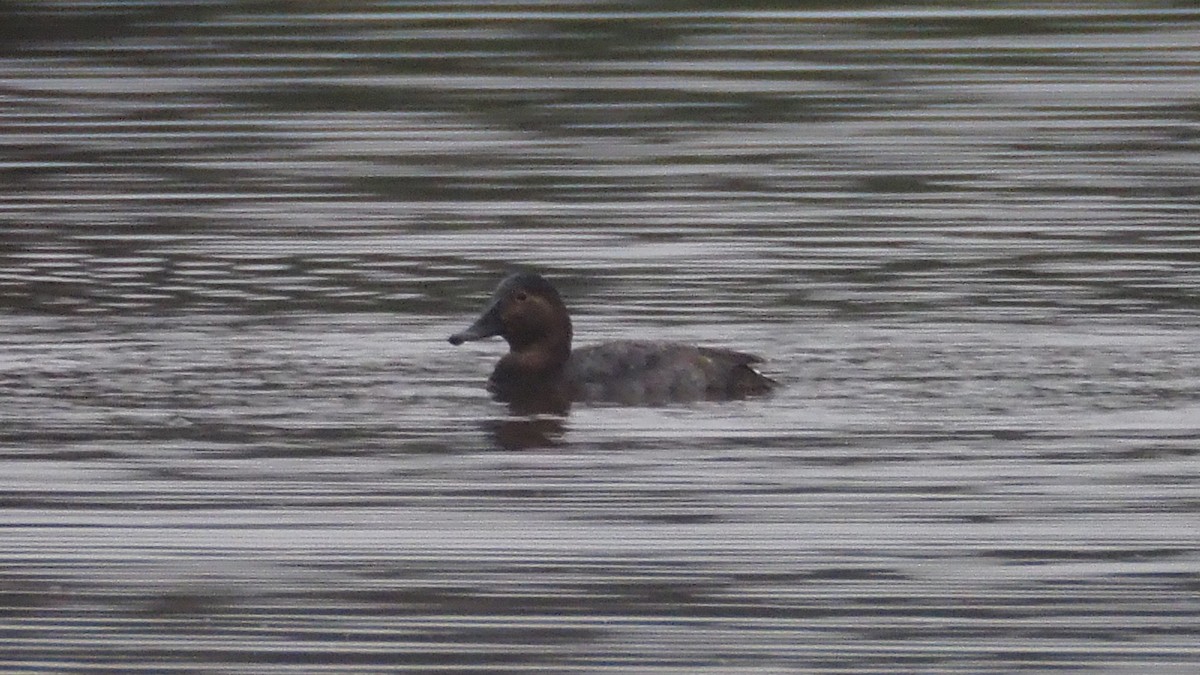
<point x="543" y="372"/>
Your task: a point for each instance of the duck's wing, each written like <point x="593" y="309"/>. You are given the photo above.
<point x="734" y="374"/>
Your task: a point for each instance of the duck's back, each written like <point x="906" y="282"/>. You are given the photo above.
<point x="635" y="372"/>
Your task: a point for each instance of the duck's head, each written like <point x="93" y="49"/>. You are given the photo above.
<point x="527" y="312"/>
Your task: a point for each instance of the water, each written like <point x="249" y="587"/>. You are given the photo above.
<point x="236" y="235"/>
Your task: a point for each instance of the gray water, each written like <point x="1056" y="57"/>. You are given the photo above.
<point x="234" y="237"/>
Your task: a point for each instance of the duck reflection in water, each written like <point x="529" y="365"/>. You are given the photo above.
<point x="542" y="374"/>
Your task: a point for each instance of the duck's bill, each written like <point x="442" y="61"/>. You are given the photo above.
<point x="486" y="326"/>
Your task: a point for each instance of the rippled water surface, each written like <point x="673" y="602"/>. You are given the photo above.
<point x="234" y="237"/>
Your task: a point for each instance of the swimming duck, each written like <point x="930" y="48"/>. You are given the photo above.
<point x="527" y="311"/>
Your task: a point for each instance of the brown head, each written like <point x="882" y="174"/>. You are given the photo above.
<point x="528" y="313"/>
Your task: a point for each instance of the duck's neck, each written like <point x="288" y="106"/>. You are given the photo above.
<point x="541" y="352"/>
<point x="530" y="373"/>
<point x="537" y="359"/>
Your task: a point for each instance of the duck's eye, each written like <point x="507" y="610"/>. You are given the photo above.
<point x="521" y="296"/>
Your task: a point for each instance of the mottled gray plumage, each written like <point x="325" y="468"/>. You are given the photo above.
<point x="638" y="372"/>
